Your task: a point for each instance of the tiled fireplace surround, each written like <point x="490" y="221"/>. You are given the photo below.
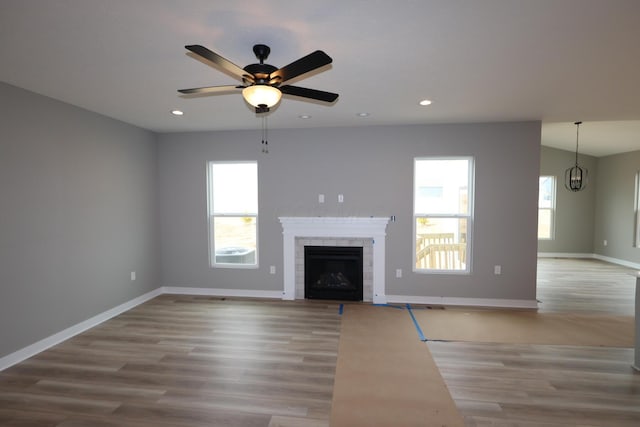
<point x="367" y="261"/>
<point x="369" y="233"/>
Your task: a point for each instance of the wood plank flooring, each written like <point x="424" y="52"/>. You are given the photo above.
<point x="180" y="361"/>
<point x="184" y="361"/>
<point x="524" y="385"/>
<point x="585" y="285"/>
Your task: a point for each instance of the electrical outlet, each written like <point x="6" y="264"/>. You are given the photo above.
<point x="133" y="276"/>
<point x="320" y="198"/>
<point x="398" y="272"/>
<point x="497" y="270"/>
<point x="340" y="198"/>
<point x="605" y="243"/>
<point x="272" y="269"/>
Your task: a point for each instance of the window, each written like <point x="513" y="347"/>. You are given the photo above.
<point x="636" y="228"/>
<point x="442" y="206"/>
<point x="233" y="214"/>
<point x="546" y="207"/>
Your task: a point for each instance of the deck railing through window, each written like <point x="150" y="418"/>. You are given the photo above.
<point x="439" y="252"/>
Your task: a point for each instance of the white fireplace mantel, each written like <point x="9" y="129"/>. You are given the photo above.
<point x="339" y="227"/>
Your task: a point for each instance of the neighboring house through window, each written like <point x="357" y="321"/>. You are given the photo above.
<point x="443" y="214"/>
<point x="233" y="214"/>
<point x="546" y="207"/>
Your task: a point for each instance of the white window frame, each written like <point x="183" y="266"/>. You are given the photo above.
<point x="469" y="216"/>
<point x="552" y="209"/>
<point x="211" y="216"/>
<point x="636" y="207"/>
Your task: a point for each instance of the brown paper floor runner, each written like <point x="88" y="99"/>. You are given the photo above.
<point x="385" y="376"/>
<point x="523" y="327"/>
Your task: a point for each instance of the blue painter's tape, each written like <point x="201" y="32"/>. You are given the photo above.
<point x="415" y="323"/>
<point x="341" y="309"/>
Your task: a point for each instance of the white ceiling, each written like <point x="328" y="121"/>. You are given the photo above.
<point x="478" y="60"/>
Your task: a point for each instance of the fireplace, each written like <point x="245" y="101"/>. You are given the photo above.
<point x="333" y="272"/>
<point x="366" y="232"/>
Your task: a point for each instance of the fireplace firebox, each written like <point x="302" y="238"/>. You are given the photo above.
<point x="333" y="272"/>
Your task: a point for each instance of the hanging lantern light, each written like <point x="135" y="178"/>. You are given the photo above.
<point x="575" y="178"/>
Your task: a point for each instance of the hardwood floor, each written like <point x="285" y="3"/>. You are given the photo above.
<point x="585" y="285"/>
<point x="184" y="361"/>
<point x="202" y="361"/>
<point x="523" y="385"/>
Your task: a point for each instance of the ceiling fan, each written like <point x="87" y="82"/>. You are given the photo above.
<point x="262" y="84"/>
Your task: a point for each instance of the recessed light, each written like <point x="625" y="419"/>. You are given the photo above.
<point x="304" y="116"/>
<point x="177" y="112"/>
<point x="425" y="102"/>
<point x="363" y="114"/>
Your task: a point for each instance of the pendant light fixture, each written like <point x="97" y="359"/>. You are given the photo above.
<point x="575" y="178"/>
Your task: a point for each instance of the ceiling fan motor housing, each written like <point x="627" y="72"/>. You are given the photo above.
<point x="261" y="72"/>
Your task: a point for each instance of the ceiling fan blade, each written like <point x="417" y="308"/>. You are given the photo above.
<point x="309" y="93"/>
<point x="218" y="60"/>
<point x="208" y="90"/>
<point x="303" y="65"/>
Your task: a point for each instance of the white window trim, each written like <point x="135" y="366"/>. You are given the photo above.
<point x="469" y="217"/>
<point x="552" y="209"/>
<point x="636" y="205"/>
<point x="211" y="218"/>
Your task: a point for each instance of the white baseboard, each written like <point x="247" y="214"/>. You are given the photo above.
<point x="240" y="293"/>
<point x="466" y="302"/>
<point x="37" y="347"/>
<point x="604" y="258"/>
<point x="564" y="255"/>
<point x="621" y="262"/>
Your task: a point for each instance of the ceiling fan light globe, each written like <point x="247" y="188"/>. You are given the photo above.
<point x="258" y="95"/>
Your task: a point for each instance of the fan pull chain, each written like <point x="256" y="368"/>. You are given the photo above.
<point x="265" y="142"/>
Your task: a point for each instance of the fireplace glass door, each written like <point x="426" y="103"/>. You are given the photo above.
<point x="333" y="272"/>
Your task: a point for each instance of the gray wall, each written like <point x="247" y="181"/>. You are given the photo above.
<point x="373" y="168"/>
<point x="575" y="212"/>
<point x="77" y="215"/>
<point x="614" y="209"/>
